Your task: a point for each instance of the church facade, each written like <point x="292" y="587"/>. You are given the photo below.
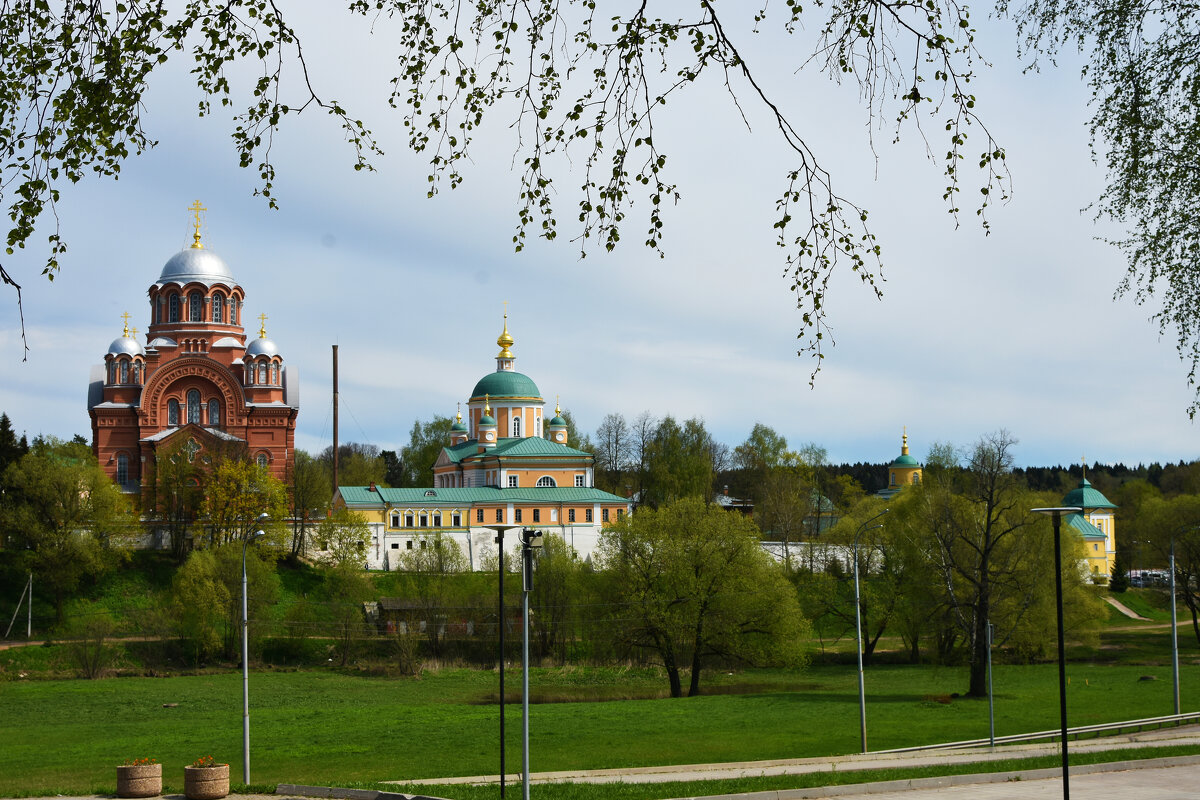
<point x="505" y="466"/>
<point x="197" y="385"/>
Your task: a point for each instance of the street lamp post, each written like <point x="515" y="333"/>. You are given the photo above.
<point x="249" y="537"/>
<point x="500" y="529"/>
<point x="862" y="692"/>
<point x="531" y="539"/>
<point x="1056" y="515"/>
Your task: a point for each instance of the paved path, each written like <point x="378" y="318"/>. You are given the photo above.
<point x="1124" y="609"/>
<point x="799" y="766"/>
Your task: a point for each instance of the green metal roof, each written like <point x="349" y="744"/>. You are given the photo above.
<point x="1085" y="528"/>
<point x="905" y="461"/>
<point x="505" y="384"/>
<point x="1086" y="497"/>
<point x="527" y="447"/>
<point x="363" y="496"/>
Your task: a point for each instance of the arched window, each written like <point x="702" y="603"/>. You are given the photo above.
<point x="156" y="315"/>
<point x="408" y="520"/>
<point x="546" y="480"/>
<point x="233" y="307"/>
<point x="262" y="371"/>
<point x="516" y="427"/>
<point x="122" y="469"/>
<point x="173" y="312"/>
<point x="218" y="307"/>
<point x="274" y="374"/>
<point x="172" y="411"/>
<point x="437" y="519"/>
<point x="124" y="371"/>
<point x="196" y="307"/>
<point x="263" y="460"/>
<point x="395" y="519"/>
<point x="137" y="373"/>
<point x="112" y="372"/>
<point x="424" y="520"/>
<point x="214" y="412"/>
<point x="193" y="407"/>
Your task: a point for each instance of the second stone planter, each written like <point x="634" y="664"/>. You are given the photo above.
<point x="206" y="783"/>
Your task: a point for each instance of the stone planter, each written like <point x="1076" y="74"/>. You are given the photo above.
<point x="206" y="783"/>
<point x="141" y="780"/>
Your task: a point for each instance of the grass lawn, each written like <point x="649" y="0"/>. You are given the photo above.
<point x="334" y="729"/>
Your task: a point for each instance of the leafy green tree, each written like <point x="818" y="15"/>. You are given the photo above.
<point x="174" y="496"/>
<point x="679" y="462"/>
<point x="236" y="493"/>
<point x="763" y="451"/>
<point x="556" y="588"/>
<point x="64" y="516"/>
<point x="991" y="550"/>
<point x="425" y="443"/>
<point x="312" y="493"/>
<point x="1177" y="517"/>
<point x="693" y="584"/>
<point x="11" y="448"/>
<point x="349" y="587"/>
<point x="1139" y="65"/>
<point x="198" y="600"/>
<point x="430" y="571"/>
<point x="342" y="539"/>
<point x="262" y="591"/>
<point x="358" y="464"/>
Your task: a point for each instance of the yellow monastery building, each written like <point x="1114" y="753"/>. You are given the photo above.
<point x="503" y="466"/>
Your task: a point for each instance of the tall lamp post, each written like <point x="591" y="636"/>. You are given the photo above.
<point x="1174" y="620"/>
<point x="249" y="537"/>
<point x="531" y="540"/>
<point x="500" y="529"/>
<point x="862" y="692"/>
<point x="1056" y="515"/>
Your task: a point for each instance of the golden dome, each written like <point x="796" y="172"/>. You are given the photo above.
<point x="505" y="341"/>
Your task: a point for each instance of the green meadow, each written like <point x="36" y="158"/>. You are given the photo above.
<point x="334" y="728"/>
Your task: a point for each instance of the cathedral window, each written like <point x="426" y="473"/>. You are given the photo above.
<point x="137" y="373"/>
<point x="218" y="307"/>
<point x="112" y="372"/>
<point x="193" y="407"/>
<point x="122" y="469"/>
<point x="275" y="374"/>
<point x="172" y="411"/>
<point x="546" y="481"/>
<point x="263" y="460"/>
<point x="262" y="372"/>
<point x="124" y="371"/>
<point x="157" y="313"/>
<point x="173" y="313"/>
<point x="196" y="307"/>
<point x="214" y="412"/>
<point x="516" y="427"/>
<point x="233" y="307"/>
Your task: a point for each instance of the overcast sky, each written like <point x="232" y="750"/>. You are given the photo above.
<point x="1015" y="330"/>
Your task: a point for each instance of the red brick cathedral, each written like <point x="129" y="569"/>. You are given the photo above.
<point x="196" y="387"/>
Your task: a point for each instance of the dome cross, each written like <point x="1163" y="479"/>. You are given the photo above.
<point x="196" y="208"/>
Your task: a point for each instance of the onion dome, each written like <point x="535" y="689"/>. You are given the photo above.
<point x="557" y="421"/>
<point x="195" y="265"/>
<point x="506" y="384"/>
<point x="262" y="346"/>
<point x="904" y="459"/>
<point x="1084" y="496"/>
<point x="487" y="418"/>
<point x="459" y="426"/>
<point x="505" y="341"/>
<point x="126" y="344"/>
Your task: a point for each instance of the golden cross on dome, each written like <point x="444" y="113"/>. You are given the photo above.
<point x="134" y="334"/>
<point x="125" y="316"/>
<point x="196" y="208"/>
<point x="262" y="326"/>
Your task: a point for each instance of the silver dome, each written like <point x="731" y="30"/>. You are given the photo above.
<point x="262" y="347"/>
<point x="125" y="346"/>
<point x="196" y="264"/>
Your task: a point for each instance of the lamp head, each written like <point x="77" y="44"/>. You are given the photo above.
<point x="263" y="517"/>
